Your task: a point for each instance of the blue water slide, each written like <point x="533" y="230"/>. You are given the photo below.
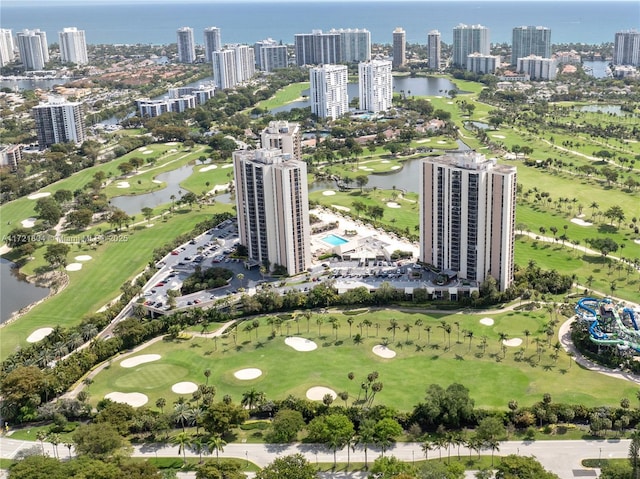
<point x="632" y="315"/>
<point x="595" y="331"/>
<point x="581" y="305"/>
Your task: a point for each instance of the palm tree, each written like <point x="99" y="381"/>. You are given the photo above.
<point x="198" y="446"/>
<point x="160" y="404"/>
<point x="350" y="321"/>
<point x="207" y="375"/>
<point x="69" y="446"/>
<point x="182" y="414"/>
<point x="428" y="330"/>
<point x="526" y="333"/>
<point x="407" y="329"/>
<point x="469" y="334"/>
<point x="307" y="315"/>
<point x="393" y="326"/>
<point x="366" y="435"/>
<point x="216" y="443"/>
<point x="319" y="323"/>
<point x="494" y="445"/>
<point x="182" y="440"/>
<point x="41" y="436"/>
<point x="418" y="324"/>
<point x="368" y="324"/>
<point x="427" y="446"/>
<point x="252" y="398"/>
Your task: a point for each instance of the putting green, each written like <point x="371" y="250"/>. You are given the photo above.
<point x="150" y="376"/>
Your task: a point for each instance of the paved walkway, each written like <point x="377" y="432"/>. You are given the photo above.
<point x="562" y="457"/>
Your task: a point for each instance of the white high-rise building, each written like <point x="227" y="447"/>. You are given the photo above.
<point x="538" y="68"/>
<point x="482" y="64"/>
<point x="272" y="203"/>
<point x="7" y="54"/>
<point x="283" y="136"/>
<point x="10" y="156"/>
<point x="355" y="45"/>
<point x="186" y="45"/>
<point x="467" y="216"/>
<point x="59" y="121"/>
<point x="212" y="42"/>
<point x="329" y="98"/>
<point x="73" y="46"/>
<point x="468" y="39"/>
<point x="245" y="61"/>
<point x="626" y="48"/>
<point x="433" y="50"/>
<point x="399" y="47"/>
<point x="33" y="49"/>
<point x="375" y="85"/>
<point x="270" y="55"/>
<point x="224" y="69"/>
<point x="530" y="41"/>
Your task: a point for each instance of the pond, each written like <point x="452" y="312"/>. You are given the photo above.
<point x="16" y="292"/>
<point x="23" y="83"/>
<point x="133" y="204"/>
<point x="407" y="178"/>
<point x="612" y="109"/>
<point x="429" y="86"/>
<point x="476" y="124"/>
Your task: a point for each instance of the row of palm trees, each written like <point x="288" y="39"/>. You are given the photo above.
<point x="448" y="440"/>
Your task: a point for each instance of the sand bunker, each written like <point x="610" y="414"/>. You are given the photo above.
<point x="515" y="342"/>
<point x="230" y="165"/>
<point x="186" y="387"/>
<point x="383" y="351"/>
<point x="147" y="152"/>
<point x="487" y="321"/>
<point x="316" y="393"/>
<point x="74" y="267"/>
<point x="426" y="140"/>
<point x="441" y="142"/>
<point x="28" y="223"/>
<point x="341" y="208"/>
<point x="396" y="167"/>
<point x="636" y="241"/>
<point x="502" y="137"/>
<point x="393" y="204"/>
<point x="37" y="196"/>
<point x="171" y="143"/>
<point x="39" y="334"/>
<point x="580" y="222"/>
<point x="137" y="360"/>
<point x="123" y="184"/>
<point x="157" y="182"/>
<point x="248" y="374"/>
<point x="329" y="193"/>
<point x="300" y="344"/>
<point x="132" y="399"/>
<point x="207" y="168"/>
<point x="387" y="161"/>
<point x="83" y="257"/>
<point x="142" y="148"/>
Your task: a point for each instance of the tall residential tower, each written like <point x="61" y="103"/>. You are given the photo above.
<point x="530" y="41"/>
<point x="399" y="47"/>
<point x="433" y="50"/>
<point x="7" y="54"/>
<point x="375" y="85"/>
<point x="626" y="48"/>
<point x="272" y="203"/>
<point x="328" y="92"/>
<point x="33" y="49"/>
<point x="212" y="42"/>
<point x="467" y="216"/>
<point x="186" y="45"/>
<point x="59" y="121"/>
<point x="468" y="39"/>
<point x="73" y="46"/>
<point x="284" y="136"/>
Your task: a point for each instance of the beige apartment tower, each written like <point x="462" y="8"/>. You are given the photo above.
<point x="273" y="208"/>
<point x="284" y="136"/>
<point x="467" y="216"/>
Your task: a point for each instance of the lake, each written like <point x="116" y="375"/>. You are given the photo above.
<point x="16" y="293"/>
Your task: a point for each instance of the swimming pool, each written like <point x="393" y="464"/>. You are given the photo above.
<point x="334" y="240"/>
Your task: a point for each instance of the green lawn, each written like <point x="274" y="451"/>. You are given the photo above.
<point x="214" y="174"/>
<point x="99" y="280"/>
<point x="286" y="95"/>
<point x="425" y="358"/>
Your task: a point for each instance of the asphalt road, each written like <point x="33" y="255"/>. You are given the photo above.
<point x="561" y="457"/>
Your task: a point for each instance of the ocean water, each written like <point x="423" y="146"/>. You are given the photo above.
<point x="246" y="22"/>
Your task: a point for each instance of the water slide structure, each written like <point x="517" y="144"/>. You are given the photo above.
<point x="607" y="323"/>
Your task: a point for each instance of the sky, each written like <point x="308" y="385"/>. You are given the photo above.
<point x="68" y="2"/>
